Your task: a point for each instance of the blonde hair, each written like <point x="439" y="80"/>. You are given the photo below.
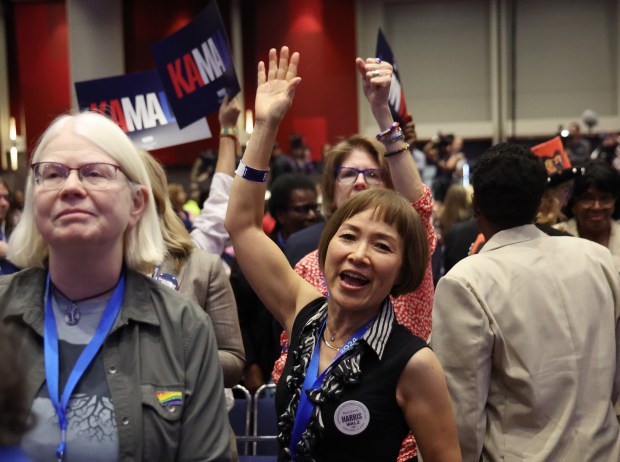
<point x="174" y="189"/>
<point x="178" y="241"/>
<point x="550" y="210"/>
<point x="143" y="243"/>
<point x="456" y="207"/>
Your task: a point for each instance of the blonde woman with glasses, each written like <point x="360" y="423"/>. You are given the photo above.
<point x="119" y="367"/>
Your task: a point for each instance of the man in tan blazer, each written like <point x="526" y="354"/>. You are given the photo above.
<point x="527" y="330"/>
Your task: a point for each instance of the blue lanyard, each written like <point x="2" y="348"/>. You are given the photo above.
<point x="281" y="240"/>
<point x="50" y="340"/>
<point x="313" y="382"/>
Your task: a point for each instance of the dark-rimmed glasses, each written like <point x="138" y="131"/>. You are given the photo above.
<point x="348" y="175"/>
<point x="96" y="176"/>
<point x="604" y="200"/>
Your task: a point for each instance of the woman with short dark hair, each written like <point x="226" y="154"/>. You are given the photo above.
<point x="355" y="382"/>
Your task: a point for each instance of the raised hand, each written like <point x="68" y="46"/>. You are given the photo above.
<point x="376" y="79"/>
<point x="276" y="88"/>
<point x="229" y="113"/>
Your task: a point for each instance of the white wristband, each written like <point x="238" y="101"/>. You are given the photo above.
<point x="251" y="174"/>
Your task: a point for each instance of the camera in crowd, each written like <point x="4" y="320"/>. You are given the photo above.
<point x="441" y="141"/>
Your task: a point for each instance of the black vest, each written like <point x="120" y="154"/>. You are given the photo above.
<point x="385" y="425"/>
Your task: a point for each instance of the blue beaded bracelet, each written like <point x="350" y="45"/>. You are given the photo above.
<point x="386" y="132"/>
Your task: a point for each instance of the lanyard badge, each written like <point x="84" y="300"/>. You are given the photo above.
<point x="51" y="349"/>
<point x="313" y="381"/>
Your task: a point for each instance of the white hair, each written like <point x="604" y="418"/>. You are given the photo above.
<point x="143" y="243"/>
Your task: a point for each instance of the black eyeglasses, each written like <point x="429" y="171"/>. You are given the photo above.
<point x="305" y="209"/>
<point x="604" y="200"/>
<point x="348" y="175"/>
<point x="95" y="176"/>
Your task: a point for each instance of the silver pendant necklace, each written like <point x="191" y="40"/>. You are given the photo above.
<point x="332" y="338"/>
<point x="72" y="312"/>
<point x="330" y="346"/>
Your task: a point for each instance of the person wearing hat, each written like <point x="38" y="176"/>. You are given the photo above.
<point x="593" y="207"/>
<point x="560" y="181"/>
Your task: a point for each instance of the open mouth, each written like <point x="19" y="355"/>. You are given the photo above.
<point x="353" y="279"/>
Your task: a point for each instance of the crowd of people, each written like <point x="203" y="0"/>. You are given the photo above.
<point x="126" y="316"/>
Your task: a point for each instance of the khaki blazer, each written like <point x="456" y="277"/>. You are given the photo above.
<point x="527" y="333"/>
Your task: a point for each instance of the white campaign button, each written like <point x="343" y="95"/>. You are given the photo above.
<point x="351" y="417"/>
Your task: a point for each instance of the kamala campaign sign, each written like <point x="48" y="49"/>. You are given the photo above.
<point x="195" y="66"/>
<point x="398" y="107"/>
<point x="138" y="104"/>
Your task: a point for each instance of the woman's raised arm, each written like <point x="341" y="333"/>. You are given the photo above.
<point x="376" y="79"/>
<point x="209" y="233"/>
<point x="282" y="291"/>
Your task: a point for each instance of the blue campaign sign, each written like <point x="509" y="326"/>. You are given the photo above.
<point x="138" y="104"/>
<point x="398" y="107"/>
<point x="195" y="66"/>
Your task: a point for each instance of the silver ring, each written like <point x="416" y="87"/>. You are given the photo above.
<point x="378" y="60"/>
<point x="375" y="73"/>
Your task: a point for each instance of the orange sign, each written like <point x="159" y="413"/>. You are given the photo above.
<point x="552" y="153"/>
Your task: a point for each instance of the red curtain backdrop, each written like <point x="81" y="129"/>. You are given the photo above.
<point x="323" y="31"/>
<point x="325" y="107"/>
<point x="43" y="83"/>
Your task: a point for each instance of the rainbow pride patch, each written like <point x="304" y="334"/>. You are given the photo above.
<point x="169" y="398"/>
